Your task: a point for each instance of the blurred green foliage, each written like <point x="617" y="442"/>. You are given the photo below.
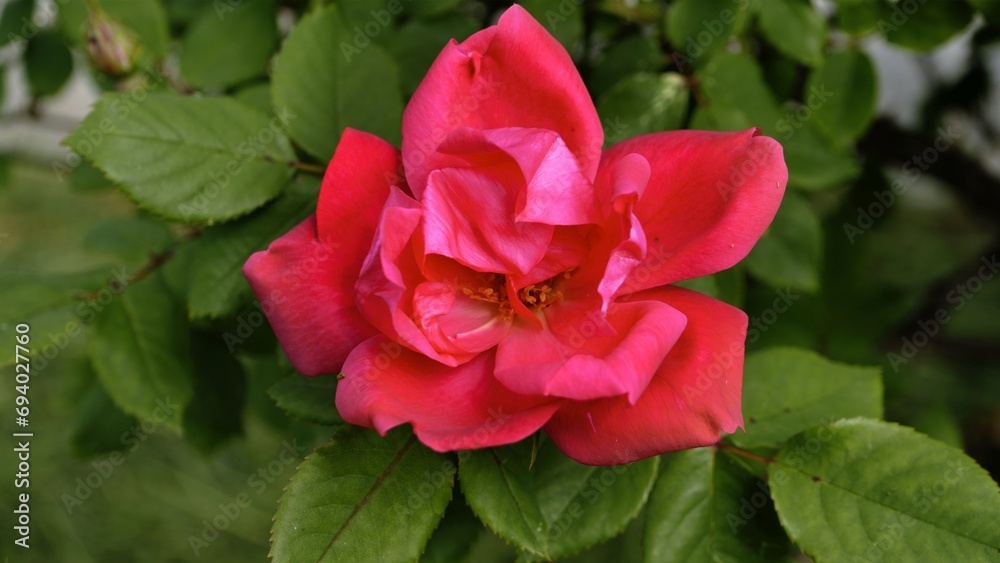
<point x="876" y="257"/>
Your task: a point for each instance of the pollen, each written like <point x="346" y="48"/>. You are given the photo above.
<point x="536" y="297"/>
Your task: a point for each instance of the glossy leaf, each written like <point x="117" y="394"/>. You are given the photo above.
<point x="922" y="26"/>
<point x="795" y="28"/>
<point x="789" y="253"/>
<point x="813" y="390"/>
<point x="358" y="487"/>
<point x="190" y="159"/>
<point x="851" y="78"/>
<point x="332" y="78"/>
<point x="739" y="98"/>
<point x="645" y="103"/>
<point x="706" y="507"/>
<point x="558" y="507"/>
<point x="698" y="28"/>
<point x="871" y="490"/>
<point x="221" y="50"/>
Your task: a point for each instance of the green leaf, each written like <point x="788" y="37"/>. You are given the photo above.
<point x="564" y="20"/>
<point x="788" y="255"/>
<point x="858" y="17"/>
<point x="131" y="239"/>
<point x="869" y="490"/>
<point x="739" y="99"/>
<point x="558" y="507"/>
<point x="257" y="96"/>
<point x="147" y="18"/>
<point x="48" y="64"/>
<point x="706" y="506"/>
<point x="330" y="83"/>
<point x="221" y="50"/>
<point x="214" y="414"/>
<point x="140" y="350"/>
<point x="99" y="425"/>
<point x="795" y="28"/>
<point x="358" y="488"/>
<point x="419" y="42"/>
<point x="698" y="28"/>
<point x="645" y="103"/>
<point x="51" y="312"/>
<point x="187" y="159"/>
<point x="812" y="390"/>
<point x="851" y="78"/>
<point x="308" y="398"/>
<point x="216" y="286"/>
<point x="922" y="26"/>
<point x="86" y="178"/>
<point x="15" y="21"/>
<point x="635" y="53"/>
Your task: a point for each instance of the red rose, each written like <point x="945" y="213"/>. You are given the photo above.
<point x="516" y="278"/>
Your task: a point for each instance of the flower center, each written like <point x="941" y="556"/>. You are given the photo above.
<point x="535" y="297"/>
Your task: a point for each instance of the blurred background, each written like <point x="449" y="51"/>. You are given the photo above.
<point x="884" y="252"/>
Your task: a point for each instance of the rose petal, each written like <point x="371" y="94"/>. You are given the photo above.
<point x="556" y="192"/>
<point x="469" y="216"/>
<point x="458" y="408"/>
<point x="514" y="74"/>
<point x="694" y="396"/>
<point x="306" y="289"/>
<point x="355" y="187"/>
<point x="710" y="197"/>
<point x="573" y="358"/>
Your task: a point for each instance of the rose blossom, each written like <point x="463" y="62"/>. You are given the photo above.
<point x="502" y="275"/>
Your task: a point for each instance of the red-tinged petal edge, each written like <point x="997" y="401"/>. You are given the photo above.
<point x="710" y="197"/>
<point x="450" y="408"/>
<point x="514" y="74"/>
<point x="694" y="396"/>
<point x="306" y="289"/>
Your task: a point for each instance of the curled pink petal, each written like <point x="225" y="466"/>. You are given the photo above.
<point x="693" y="397"/>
